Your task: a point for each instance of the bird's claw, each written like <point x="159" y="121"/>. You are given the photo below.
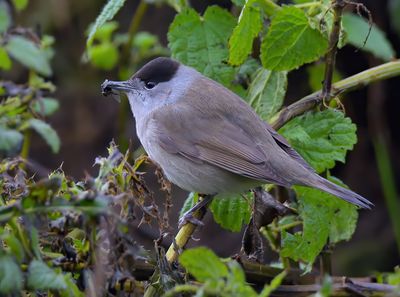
<point x="189" y="218"/>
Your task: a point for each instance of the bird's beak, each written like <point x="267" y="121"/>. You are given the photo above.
<point x="108" y="86"/>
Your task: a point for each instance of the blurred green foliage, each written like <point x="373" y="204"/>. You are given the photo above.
<point x="57" y="233"/>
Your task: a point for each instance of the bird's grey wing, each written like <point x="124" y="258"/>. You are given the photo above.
<point x="284" y="144"/>
<point x="218" y="142"/>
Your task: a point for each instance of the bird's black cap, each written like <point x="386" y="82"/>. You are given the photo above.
<point x="158" y="70"/>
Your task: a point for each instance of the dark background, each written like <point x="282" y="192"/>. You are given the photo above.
<point x="87" y="122"/>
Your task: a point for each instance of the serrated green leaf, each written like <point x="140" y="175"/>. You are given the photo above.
<point x="203" y="264"/>
<point x="5" y="20"/>
<point x="267" y="91"/>
<point x="10" y="140"/>
<point x="316" y="216"/>
<point x="42" y="277"/>
<point x="323" y="216"/>
<point x="46" y="106"/>
<point x="20" y="4"/>
<point x="316" y="74"/>
<point x="322" y="138"/>
<point x="108" y="12"/>
<point x="10" y="276"/>
<point x="345" y="217"/>
<point x="190" y="201"/>
<point x="47" y="133"/>
<point x="231" y="211"/>
<point x="28" y="54"/>
<point x="104" y="55"/>
<point x="357" y="29"/>
<point x="291" y="41"/>
<point x="5" y="61"/>
<point x="248" y="27"/>
<point x="236" y="282"/>
<point x="202" y="42"/>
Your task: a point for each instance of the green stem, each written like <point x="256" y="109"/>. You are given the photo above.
<point x="133" y="28"/>
<point x="25" y="146"/>
<point x="308" y="4"/>
<point x="287" y="226"/>
<point x="390" y="193"/>
<point x="357" y="81"/>
<point x="125" y="59"/>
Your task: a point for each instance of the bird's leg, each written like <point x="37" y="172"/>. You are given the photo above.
<point x="188" y="217"/>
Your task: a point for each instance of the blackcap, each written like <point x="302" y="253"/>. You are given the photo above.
<point x="207" y="139"/>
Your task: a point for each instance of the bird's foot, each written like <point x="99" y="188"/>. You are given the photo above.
<point x="189" y="218"/>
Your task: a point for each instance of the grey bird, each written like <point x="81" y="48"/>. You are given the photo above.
<point x="207" y="139"/>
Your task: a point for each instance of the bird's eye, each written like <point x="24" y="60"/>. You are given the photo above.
<point x="149" y="85"/>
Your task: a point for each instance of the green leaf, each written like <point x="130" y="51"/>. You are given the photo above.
<point x="144" y="41"/>
<point x="10" y="275"/>
<point x="47" y="133"/>
<point x="28" y="54"/>
<point x="105" y="32"/>
<point x="46" y="106"/>
<point x="291" y="41"/>
<point x="316" y="74"/>
<point x="241" y="41"/>
<point x="104" y="55"/>
<point x="203" y="264"/>
<point x="275" y="283"/>
<point x="15" y="246"/>
<point x="202" y="42"/>
<point x="42" y="277"/>
<point x="322" y="138"/>
<point x="5" y="20"/>
<point x="10" y="140"/>
<point x="189" y="203"/>
<point x="267" y="91"/>
<point x="321" y="214"/>
<point x="20" y="4"/>
<point x="107" y="14"/>
<point x="344" y="220"/>
<point x="357" y="29"/>
<point x="394" y="278"/>
<point x="236" y="282"/>
<point x="316" y="216"/>
<point x="5" y="61"/>
<point x="231" y="211"/>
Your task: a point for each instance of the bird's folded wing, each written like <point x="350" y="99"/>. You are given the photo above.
<point x="282" y="142"/>
<point x="223" y="144"/>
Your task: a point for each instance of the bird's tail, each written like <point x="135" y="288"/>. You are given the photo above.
<point x="345" y="194"/>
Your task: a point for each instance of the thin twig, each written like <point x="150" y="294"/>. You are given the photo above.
<point x="357" y="81"/>
<point x="338" y="6"/>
